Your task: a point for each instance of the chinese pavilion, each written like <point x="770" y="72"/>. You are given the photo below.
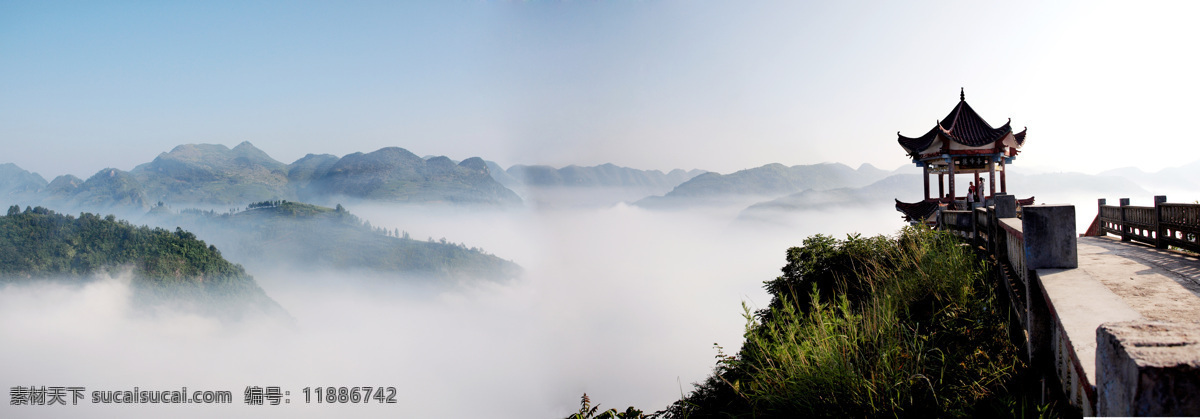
<point x="962" y="143"/>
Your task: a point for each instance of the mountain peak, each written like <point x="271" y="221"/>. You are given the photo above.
<point x="246" y="147"/>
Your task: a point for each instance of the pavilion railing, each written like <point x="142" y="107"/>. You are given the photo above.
<point x="979" y="224"/>
<point x="1014" y="240"/>
<point x="1162" y="225"/>
<point x="1110" y="219"/>
<point x="956" y="221"/>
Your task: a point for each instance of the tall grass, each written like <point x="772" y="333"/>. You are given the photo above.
<point x="868" y="327"/>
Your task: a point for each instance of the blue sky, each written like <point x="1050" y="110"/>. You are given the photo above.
<point x="717" y="85"/>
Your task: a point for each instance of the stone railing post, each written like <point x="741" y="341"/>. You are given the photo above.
<point x="1125" y="236"/>
<point x="1159" y="231"/>
<point x="974" y="225"/>
<point x="1006" y="206"/>
<point x="1003" y="206"/>
<point x="1050" y="243"/>
<point x="1147" y="369"/>
<point x="1100" y="203"/>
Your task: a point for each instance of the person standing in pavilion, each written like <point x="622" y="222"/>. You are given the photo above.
<point x="979" y="188"/>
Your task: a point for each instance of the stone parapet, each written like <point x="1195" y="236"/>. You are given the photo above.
<point x="1050" y="240"/>
<point x="1148" y="369"/>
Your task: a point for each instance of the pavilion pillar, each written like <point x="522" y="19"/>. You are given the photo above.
<point x="941" y="185"/>
<point x="992" y="176"/>
<point x="951" y="166"/>
<point x="1003" y="176"/>
<point x="925" y="170"/>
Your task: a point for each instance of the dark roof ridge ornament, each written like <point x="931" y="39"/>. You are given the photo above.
<point x="962" y="94"/>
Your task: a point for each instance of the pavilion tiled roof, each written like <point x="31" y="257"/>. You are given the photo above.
<point x="962" y="125"/>
<point x="921" y="210"/>
<point x="917" y="211"/>
<point x="916" y="144"/>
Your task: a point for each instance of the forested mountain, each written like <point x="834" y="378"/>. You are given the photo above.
<point x="394" y="174"/>
<point x="771" y="180"/>
<point x="63" y="185"/>
<point x="107" y="189"/>
<point x="17" y="183"/>
<point x="167" y="267"/>
<point x="298" y="235"/>
<point x="301" y="172"/>
<point x="213" y="174"/>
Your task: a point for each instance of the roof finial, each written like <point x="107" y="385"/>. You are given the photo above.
<point x="962" y="95"/>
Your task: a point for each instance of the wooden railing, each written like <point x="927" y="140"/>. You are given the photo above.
<point x="1162" y="225"/>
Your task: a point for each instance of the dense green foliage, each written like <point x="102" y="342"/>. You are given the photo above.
<point x="296" y="234"/>
<point x="40" y="244"/>
<point x="870" y="327"/>
<point x="589" y="411"/>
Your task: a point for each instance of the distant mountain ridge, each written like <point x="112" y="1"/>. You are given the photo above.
<point x="1182" y="178"/>
<point x="1045" y="187"/>
<point x="769" y="180"/>
<point x="604" y="175"/>
<point x="213" y="174"/>
<point x="397" y="175"/>
<point x="17" y="181"/>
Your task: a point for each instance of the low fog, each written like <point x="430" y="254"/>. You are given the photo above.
<point x="619" y="302"/>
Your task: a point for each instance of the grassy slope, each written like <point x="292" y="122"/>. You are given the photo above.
<point x="905" y="326"/>
<point x="869" y="327"/>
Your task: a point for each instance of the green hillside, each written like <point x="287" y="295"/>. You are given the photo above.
<point x="167" y="266"/>
<point x="300" y="235"/>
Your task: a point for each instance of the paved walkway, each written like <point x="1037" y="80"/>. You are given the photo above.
<point x="1119" y="281"/>
<point x="1162" y="285"/>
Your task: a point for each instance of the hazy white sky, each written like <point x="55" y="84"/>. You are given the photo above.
<point x="717" y="85"/>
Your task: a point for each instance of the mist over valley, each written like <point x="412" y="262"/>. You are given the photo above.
<point x="606" y="280"/>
